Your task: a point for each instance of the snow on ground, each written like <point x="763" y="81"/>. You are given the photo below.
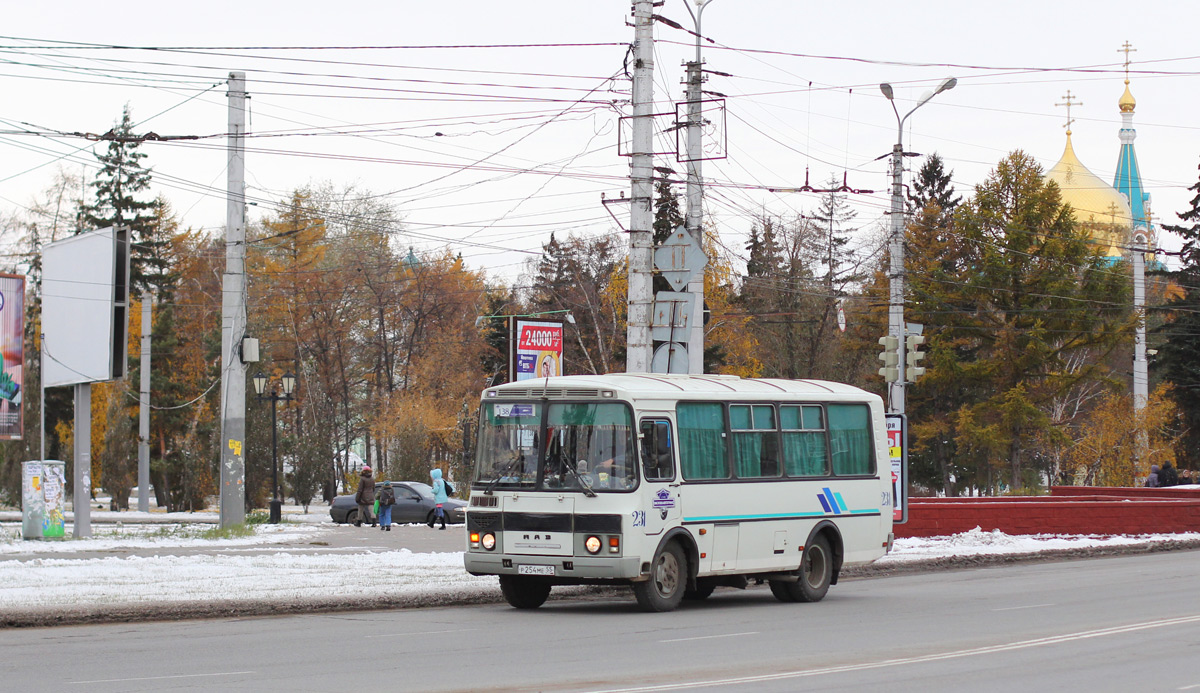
<point x="147" y="536"/>
<point x="47" y="582"/>
<point x="978" y="543"/>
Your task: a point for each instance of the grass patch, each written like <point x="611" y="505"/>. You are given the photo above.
<point x="232" y="532"/>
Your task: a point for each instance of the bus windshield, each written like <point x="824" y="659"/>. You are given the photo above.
<point x="571" y="446"/>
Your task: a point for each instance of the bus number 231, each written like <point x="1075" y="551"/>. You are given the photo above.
<point x="639" y="518"/>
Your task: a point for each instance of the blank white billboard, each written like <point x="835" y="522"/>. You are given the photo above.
<point x="85" y="300"/>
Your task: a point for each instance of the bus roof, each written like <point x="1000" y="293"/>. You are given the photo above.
<point x="657" y="385"/>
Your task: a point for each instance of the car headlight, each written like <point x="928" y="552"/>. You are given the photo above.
<point x="592" y="544"/>
<point x="488" y="541"/>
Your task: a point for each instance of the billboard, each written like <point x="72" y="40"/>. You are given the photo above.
<point x="85" y="303"/>
<point x="537" y="349"/>
<point x="12" y="353"/>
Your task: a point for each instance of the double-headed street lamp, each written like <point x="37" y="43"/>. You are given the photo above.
<point x="896" y="275"/>
<point x="288" y="382"/>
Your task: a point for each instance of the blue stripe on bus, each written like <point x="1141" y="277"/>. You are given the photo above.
<point x="840" y="500"/>
<point x="775" y="516"/>
<point x="824" y="503"/>
<point x="837" y="508"/>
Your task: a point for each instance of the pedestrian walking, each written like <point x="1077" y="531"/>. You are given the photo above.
<point x="439" y="497"/>
<point x="386" y="499"/>
<point x="365" y="497"/>
<point x="1152" y="479"/>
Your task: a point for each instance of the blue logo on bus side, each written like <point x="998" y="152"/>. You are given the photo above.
<point x="831" y="502"/>
<point x="663" y="499"/>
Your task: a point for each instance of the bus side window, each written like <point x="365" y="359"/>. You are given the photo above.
<point x="658" y="459"/>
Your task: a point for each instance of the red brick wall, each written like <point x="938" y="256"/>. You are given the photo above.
<point x="1070" y="510"/>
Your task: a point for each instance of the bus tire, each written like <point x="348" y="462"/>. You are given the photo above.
<point x="668" y="580"/>
<point x="816" y="572"/>
<point x="704" y="589"/>
<point x="524" y="592"/>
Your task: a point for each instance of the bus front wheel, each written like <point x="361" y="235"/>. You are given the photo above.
<point x="668" y="579"/>
<point x="816" y="571"/>
<point x="524" y="592"/>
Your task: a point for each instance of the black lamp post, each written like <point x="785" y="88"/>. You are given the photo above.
<point x="289" y="386"/>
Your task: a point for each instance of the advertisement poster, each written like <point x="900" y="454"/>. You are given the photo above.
<point x="43" y="499"/>
<point x="12" y="357"/>
<point x="897" y="433"/>
<point x="537" y="349"/>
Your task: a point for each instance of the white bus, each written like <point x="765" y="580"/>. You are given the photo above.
<point x="677" y="484"/>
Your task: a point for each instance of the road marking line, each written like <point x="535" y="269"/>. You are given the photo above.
<point x="1015" y="608"/>
<point x="161" y="678"/>
<point x="424" y="632"/>
<point x="991" y="649"/>
<point x="710" y="637"/>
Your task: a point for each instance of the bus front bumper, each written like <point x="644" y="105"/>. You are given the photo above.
<point x="564" y="567"/>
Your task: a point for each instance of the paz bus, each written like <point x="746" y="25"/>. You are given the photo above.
<point x="677" y="484"/>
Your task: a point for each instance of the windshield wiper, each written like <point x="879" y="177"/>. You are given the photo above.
<point x="585" y="485"/>
<point x="512" y="465"/>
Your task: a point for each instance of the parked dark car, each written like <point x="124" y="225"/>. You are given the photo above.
<point x="414" y="503"/>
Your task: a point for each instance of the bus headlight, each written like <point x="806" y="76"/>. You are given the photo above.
<point x="488" y="541"/>
<point x="592" y="544"/>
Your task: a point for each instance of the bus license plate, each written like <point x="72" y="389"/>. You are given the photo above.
<point x="535" y="570"/>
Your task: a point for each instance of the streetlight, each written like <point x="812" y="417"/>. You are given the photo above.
<point x="896" y="279"/>
<point x="288" y="381"/>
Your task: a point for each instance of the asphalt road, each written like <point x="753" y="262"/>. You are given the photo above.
<point x="1097" y="625"/>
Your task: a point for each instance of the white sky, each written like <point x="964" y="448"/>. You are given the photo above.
<point x="1009" y="58"/>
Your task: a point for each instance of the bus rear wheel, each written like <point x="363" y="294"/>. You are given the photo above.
<point x="668" y="580"/>
<point x="816" y="571"/>
<point x="524" y="592"/>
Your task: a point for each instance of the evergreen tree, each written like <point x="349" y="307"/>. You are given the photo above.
<point x="119" y="183"/>
<point x="933" y="186"/>
<point x="1179" y="356"/>
<point x="1026" y="310"/>
<point x="830" y="220"/>
<point x="667" y="215"/>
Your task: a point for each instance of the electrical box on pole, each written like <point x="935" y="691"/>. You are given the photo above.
<point x="890" y="357"/>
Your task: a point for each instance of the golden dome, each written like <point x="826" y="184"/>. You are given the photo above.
<point x="1092" y="199"/>
<point x="1096" y="204"/>
<point x="1127" y="101"/>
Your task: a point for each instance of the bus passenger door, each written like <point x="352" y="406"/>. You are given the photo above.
<point x="660" y="489"/>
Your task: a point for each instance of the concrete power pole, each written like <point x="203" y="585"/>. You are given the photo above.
<point x="83" y="461"/>
<point x="143" y="475"/>
<point x="641" y="209"/>
<point x="695" y="194"/>
<point x="233" y="316"/>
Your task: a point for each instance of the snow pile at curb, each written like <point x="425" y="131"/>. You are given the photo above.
<point x="164" y="536"/>
<point x="978" y="543"/>
<point x="53" y="583"/>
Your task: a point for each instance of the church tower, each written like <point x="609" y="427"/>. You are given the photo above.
<point x="1129" y="179"/>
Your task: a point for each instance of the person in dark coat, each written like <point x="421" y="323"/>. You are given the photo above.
<point x="365" y="497"/>
<point x="1152" y="480"/>
<point x="387" y="498"/>
<point x="1168" y="475"/>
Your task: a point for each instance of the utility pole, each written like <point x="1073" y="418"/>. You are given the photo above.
<point x="82" y="500"/>
<point x="144" y="411"/>
<point x="896" y="329"/>
<point x="641" y="211"/>
<point x="233" y="316"/>
<point x="695" y="193"/>
<point x="1141" y="386"/>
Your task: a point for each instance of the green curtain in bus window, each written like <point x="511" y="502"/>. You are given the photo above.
<point x="702" y="450"/>
<point x="747" y="454"/>
<point x="606" y="414"/>
<point x="850" y="439"/>
<point x="804" y="453"/>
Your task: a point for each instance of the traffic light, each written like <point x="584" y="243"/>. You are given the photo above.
<point x="890" y="358"/>
<point x="913" y="355"/>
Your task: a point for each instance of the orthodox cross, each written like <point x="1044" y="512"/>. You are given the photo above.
<point x="1127" y="48"/>
<point x="1068" y="103"/>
